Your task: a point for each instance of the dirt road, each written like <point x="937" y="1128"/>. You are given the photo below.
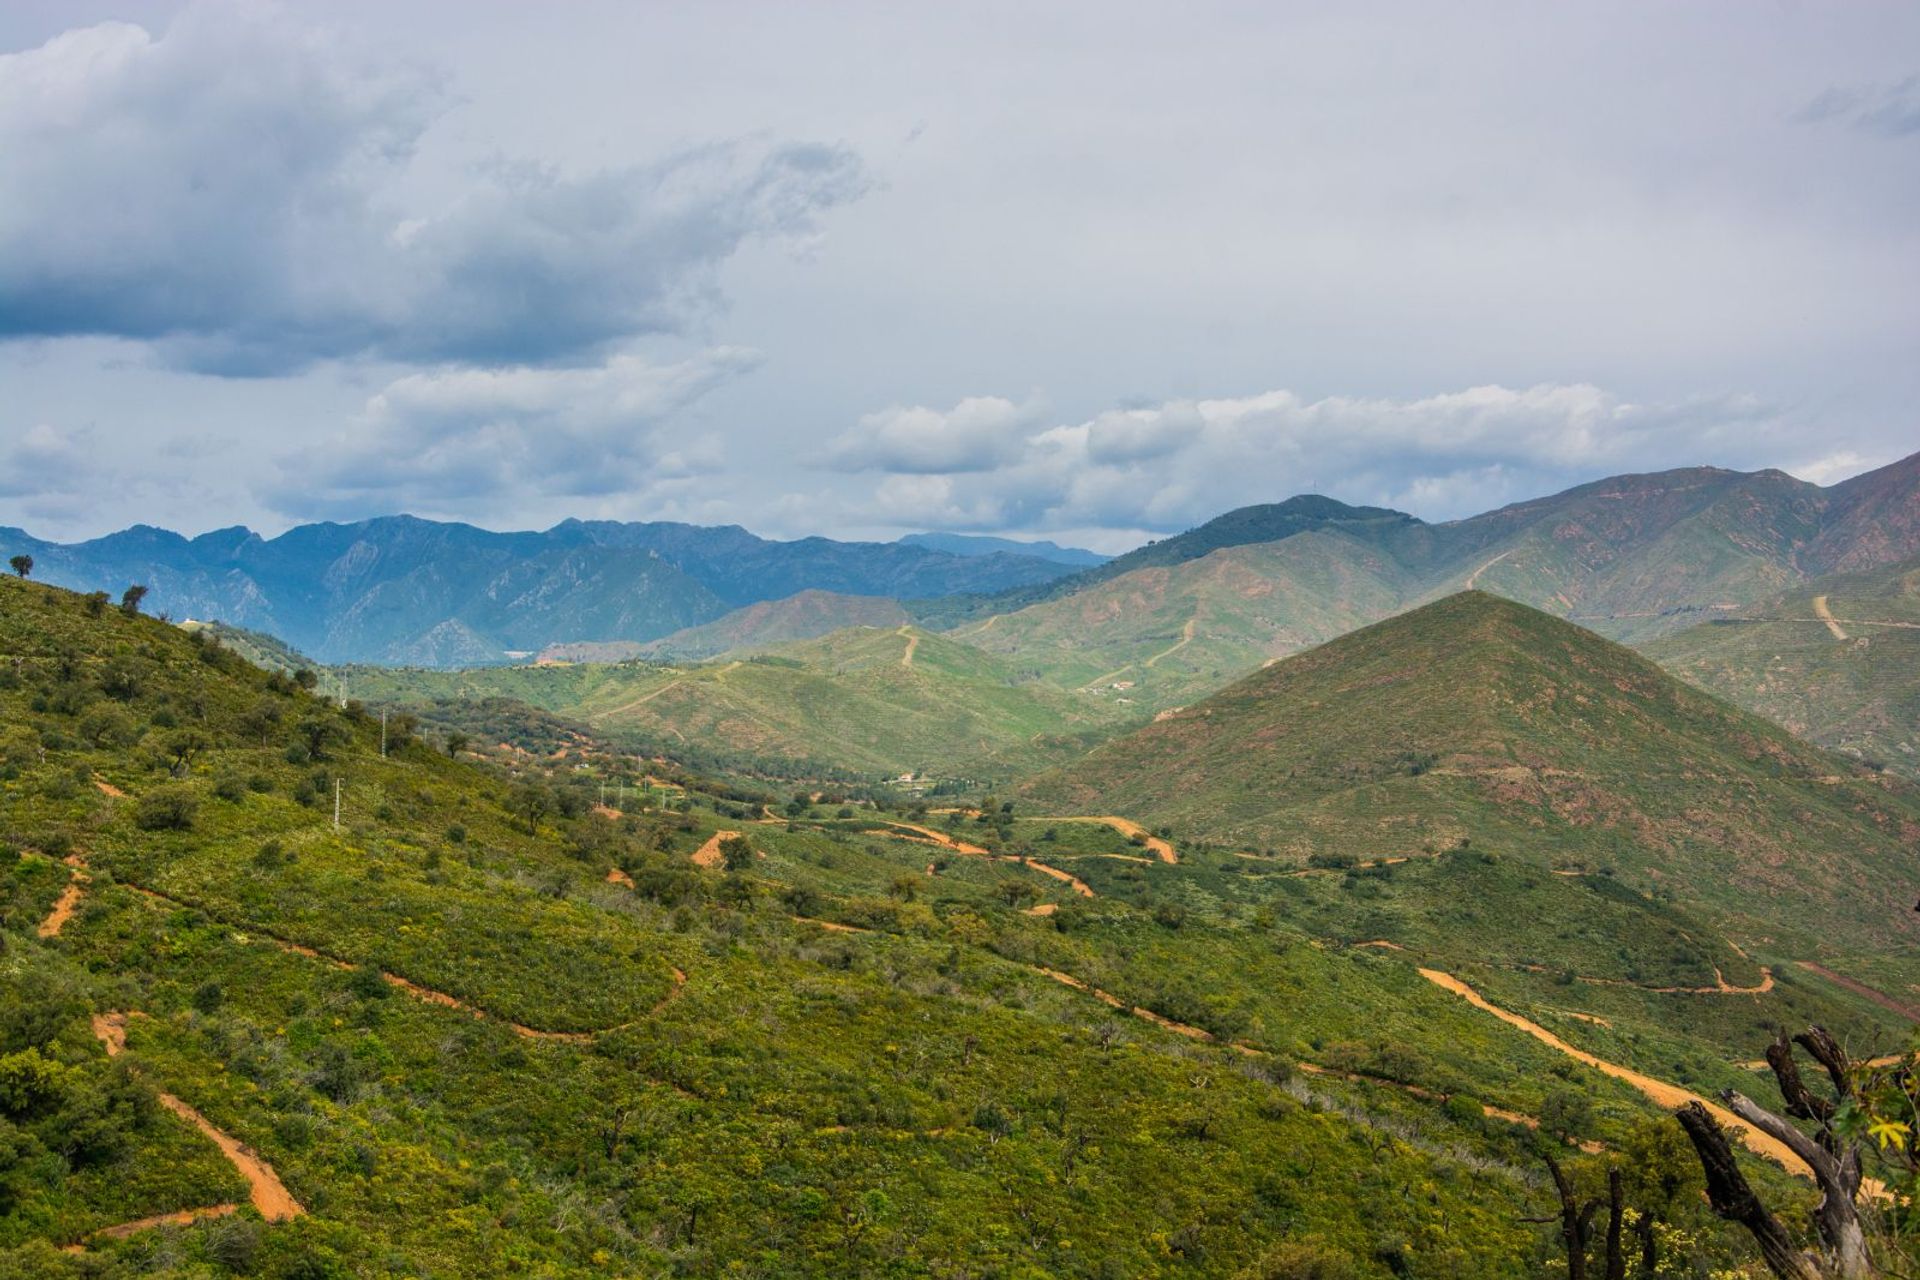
<point x="1129" y="828"/>
<point x="1825" y="615"/>
<point x="1660" y="1092"/>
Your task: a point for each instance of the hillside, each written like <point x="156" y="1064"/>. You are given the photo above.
<point x="405" y="590"/>
<point x="442" y="1038"/>
<point x="1633" y="557"/>
<point x="1837" y="661"/>
<point x="1164" y="635"/>
<point x="756" y="627"/>
<point x="1476" y="727"/>
<point x="479" y="1028"/>
<point x="861" y="701"/>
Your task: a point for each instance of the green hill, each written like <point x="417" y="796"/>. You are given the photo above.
<point x="1851" y="684"/>
<point x="863" y="700"/>
<point x="756" y="627"/>
<point x="474" y="1027"/>
<point x="1477" y="728"/>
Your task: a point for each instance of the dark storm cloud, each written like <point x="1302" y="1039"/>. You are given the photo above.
<point x="231" y="191"/>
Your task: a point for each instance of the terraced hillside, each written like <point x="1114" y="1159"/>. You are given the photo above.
<point x="867" y="700"/>
<point x="1837" y="661"/>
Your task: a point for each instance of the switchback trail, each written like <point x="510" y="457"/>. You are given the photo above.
<point x="1670" y="1096"/>
<point x="264" y="1188"/>
<point x="427" y="995"/>
<point x="1246" y="1050"/>
<point x="1130" y="829"/>
<point x="929" y="835"/>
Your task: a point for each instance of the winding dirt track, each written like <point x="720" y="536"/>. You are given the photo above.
<point x="1473" y="579"/>
<point x="913" y="643"/>
<point x="1186" y="638"/>
<point x="69" y="900"/>
<point x="1825" y="615"/>
<point x="1670" y="1096"/>
<point x="928" y="835"/>
<point x="264" y="1189"/>
<point x="1129" y="828"/>
<point x="1247" y="1050"/>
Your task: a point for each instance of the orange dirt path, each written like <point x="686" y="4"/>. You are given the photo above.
<point x="1825" y="615"/>
<point x="1129" y="828"/>
<point x="616" y="876"/>
<point x="265" y="1190"/>
<point x="108" y="789"/>
<point x="913" y="643"/>
<point x="1660" y="1092"/>
<point x="69" y="899"/>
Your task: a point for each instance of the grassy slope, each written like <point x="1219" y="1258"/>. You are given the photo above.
<point x="770" y="623"/>
<point x="912" y="1099"/>
<point x="1245" y="604"/>
<point x="1477" y="727"/>
<point x="1860" y="695"/>
<point x="845" y="698"/>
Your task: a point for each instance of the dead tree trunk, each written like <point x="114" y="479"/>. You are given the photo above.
<point x="1616" y="1220"/>
<point x="1576" y="1221"/>
<point x="1734" y="1200"/>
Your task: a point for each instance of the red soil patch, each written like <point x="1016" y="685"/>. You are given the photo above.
<point x="708" y="854"/>
<point x="69" y="899"/>
<point x="108" y="789"/>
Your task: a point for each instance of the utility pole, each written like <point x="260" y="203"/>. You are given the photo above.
<point x="383" y="733"/>
<point x="336" y="804"/>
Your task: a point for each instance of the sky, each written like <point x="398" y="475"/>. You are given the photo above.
<point x="1092" y="272"/>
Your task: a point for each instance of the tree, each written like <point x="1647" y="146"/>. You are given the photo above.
<point x="1832" y="1154"/>
<point x="22" y="565"/>
<point x="456" y="743"/>
<point x="130" y="599"/>
<point x="531" y="801"/>
<point x="736" y="854"/>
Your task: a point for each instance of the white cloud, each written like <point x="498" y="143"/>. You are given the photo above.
<point x="977" y="434"/>
<point x="1174" y="464"/>
<point x="469" y="441"/>
<point x="231" y="191"/>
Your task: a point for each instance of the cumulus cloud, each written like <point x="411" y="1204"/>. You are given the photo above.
<point x="978" y="434"/>
<point x="231" y="191"/>
<point x="1884" y="110"/>
<point x="467" y="441"/>
<point x="1170" y="465"/>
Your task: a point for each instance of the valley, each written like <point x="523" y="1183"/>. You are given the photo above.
<point x="900" y="945"/>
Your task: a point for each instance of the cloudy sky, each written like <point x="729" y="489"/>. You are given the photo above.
<point x="1086" y="271"/>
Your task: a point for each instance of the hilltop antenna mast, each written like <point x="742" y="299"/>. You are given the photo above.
<point x="383" y="733"/>
<point x="336" y="803"/>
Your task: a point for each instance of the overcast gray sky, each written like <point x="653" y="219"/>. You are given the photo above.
<point x="1089" y="271"/>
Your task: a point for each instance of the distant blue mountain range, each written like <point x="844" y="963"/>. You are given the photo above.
<point x="405" y="590"/>
<point x="968" y="544"/>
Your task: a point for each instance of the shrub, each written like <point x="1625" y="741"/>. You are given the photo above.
<point x="166" y="809"/>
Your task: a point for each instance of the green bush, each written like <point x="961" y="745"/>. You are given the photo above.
<point x="166" y="809"/>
